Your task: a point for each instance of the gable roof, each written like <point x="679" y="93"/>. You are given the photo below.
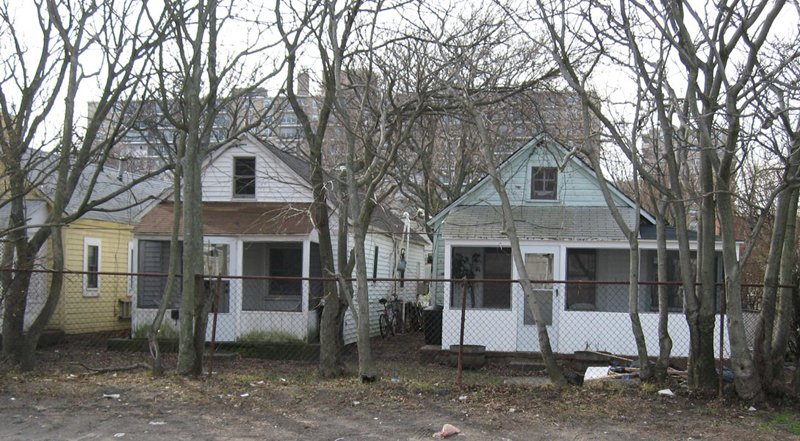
<point x="557" y="222"/>
<point x="382" y="217"/>
<point x="127" y="207"/>
<point x="545" y="140"/>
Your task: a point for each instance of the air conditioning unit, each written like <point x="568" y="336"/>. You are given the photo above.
<point x="124" y="308"/>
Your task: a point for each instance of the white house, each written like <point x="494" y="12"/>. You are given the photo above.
<point x="566" y="233"/>
<point x="256" y="222"/>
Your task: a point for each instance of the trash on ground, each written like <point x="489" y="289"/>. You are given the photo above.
<point x="462" y="398"/>
<point x="244" y="395"/>
<point x="111" y="396"/>
<point x="119" y="435"/>
<point x="448" y="430"/>
<point x="752" y="409"/>
<point x="157" y="423"/>
<point x="666" y="392"/>
<point x="595" y="373"/>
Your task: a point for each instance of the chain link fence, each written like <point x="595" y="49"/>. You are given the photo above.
<point x="279" y="317"/>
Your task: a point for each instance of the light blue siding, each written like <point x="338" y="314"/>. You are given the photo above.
<point x="577" y="184"/>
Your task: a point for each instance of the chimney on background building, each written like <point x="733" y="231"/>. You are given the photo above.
<point x="303" y="83"/>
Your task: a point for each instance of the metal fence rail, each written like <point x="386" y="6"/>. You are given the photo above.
<point x="279" y="317"/>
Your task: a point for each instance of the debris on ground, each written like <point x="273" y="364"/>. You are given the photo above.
<point x="111" y="396"/>
<point x="615" y="371"/>
<point x="666" y="392"/>
<point x="448" y="430"/>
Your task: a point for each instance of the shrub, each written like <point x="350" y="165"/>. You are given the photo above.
<point x="166" y="331"/>
<point x="269" y="337"/>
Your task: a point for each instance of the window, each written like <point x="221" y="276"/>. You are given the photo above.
<point x="153" y="257"/>
<point x="481" y="263"/>
<point x="375" y="265"/>
<point x="540" y="269"/>
<point x="91" y="264"/>
<point x="581" y="265"/>
<point x="674" y="291"/>
<point x="283" y="261"/>
<point x="244" y="177"/>
<point x="544" y="183"/>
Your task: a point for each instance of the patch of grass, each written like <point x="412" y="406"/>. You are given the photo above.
<point x="649" y="388"/>
<point x="269" y="337"/>
<point x="166" y="332"/>
<point x="786" y="420"/>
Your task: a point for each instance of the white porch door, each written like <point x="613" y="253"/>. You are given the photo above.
<point x="219" y="259"/>
<point x="541" y="263"/>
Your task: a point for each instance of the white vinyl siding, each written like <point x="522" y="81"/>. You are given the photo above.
<point x="275" y="182"/>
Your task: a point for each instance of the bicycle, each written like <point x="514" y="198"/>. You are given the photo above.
<point x="388" y="320"/>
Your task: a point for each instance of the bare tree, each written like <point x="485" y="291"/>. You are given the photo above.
<point x="328" y="27"/>
<point x="58" y="65"/>
<point x="780" y="139"/>
<point x="482" y="61"/>
<point x="198" y="79"/>
<point x="700" y="114"/>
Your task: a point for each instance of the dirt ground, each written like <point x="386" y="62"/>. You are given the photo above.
<point x="267" y="400"/>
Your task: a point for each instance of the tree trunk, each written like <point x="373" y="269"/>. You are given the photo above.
<point x="548" y="357"/>
<point x="189" y="359"/>
<point x="705" y="366"/>
<point x="785" y="316"/>
<point x="172" y="271"/>
<point x="747" y="381"/>
<point x="28" y="350"/>
<point x="664" y="340"/>
<point x="16" y="301"/>
<point x="366" y="363"/>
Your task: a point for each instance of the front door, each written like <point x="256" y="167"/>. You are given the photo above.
<point x="218" y="259"/>
<point x="541" y="264"/>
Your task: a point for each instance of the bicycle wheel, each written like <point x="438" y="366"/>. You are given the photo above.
<point x="383" y="323"/>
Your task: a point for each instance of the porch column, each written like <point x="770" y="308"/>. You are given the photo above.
<point x="306" y="272"/>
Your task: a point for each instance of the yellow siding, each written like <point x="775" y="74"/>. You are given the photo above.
<point x="81" y="312"/>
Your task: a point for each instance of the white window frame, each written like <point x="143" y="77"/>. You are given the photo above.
<point x="92" y="242"/>
<point x="531" y="184"/>
<point x="235" y="177"/>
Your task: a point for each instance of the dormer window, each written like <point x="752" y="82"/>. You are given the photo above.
<point x="544" y="183"/>
<point x="244" y="177"/>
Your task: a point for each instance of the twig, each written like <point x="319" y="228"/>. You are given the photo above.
<point x="606" y="354"/>
<point x="132" y="367"/>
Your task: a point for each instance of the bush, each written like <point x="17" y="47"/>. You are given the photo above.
<point x="166" y="332"/>
<point x="269" y="337"/>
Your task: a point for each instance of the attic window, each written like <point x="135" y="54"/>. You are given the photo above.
<point x="244" y="177"/>
<point x="544" y="183"/>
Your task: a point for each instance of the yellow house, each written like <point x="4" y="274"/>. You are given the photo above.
<point x="99" y="242"/>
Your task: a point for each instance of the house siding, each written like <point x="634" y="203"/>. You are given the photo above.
<point x="79" y="313"/>
<point x="275" y="182"/>
<point x="389" y="247"/>
<point x="576" y="185"/>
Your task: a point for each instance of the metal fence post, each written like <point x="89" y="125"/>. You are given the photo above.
<point x="461" y="336"/>
<point x="722" y="306"/>
<point x="215" y="309"/>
